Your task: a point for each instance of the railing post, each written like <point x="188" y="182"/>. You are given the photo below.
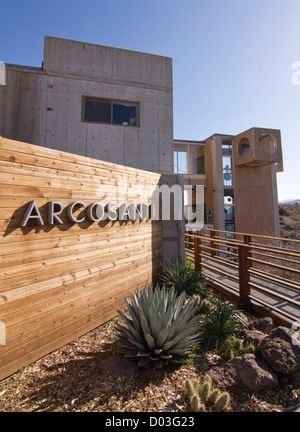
<point x="244" y="276"/>
<point x="196" y="253"/>
<point x="212" y="243"/>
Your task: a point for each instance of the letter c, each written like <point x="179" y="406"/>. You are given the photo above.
<point x="70" y="211"/>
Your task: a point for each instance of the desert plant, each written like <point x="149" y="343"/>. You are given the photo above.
<point x="202" y="395"/>
<point x="220" y="321"/>
<point x="183" y="278"/>
<point x="202" y="305"/>
<point x="160" y="327"/>
<point x="195" y="403"/>
<point x="222" y="401"/>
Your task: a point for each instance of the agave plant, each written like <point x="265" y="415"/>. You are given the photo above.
<point x="183" y="278"/>
<point x="160" y="326"/>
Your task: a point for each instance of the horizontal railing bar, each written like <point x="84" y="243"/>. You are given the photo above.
<point x="273" y="294"/>
<point x="254" y="246"/>
<point x="212" y="257"/>
<point x="281" y="251"/>
<point x="255" y="235"/>
<point x="216" y="239"/>
<point x="220" y="260"/>
<point x="218" y="250"/>
<point x="274" y="265"/>
<point x="268" y="306"/>
<point x="230" y="276"/>
<point x="277" y="257"/>
<point x="223" y="283"/>
<point x="276" y="279"/>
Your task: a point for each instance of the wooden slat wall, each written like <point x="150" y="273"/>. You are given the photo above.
<point x="59" y="282"/>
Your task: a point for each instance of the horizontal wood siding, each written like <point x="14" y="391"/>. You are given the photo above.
<point x="58" y="282"/>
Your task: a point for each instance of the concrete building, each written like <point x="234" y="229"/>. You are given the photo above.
<point x="236" y="181"/>
<point x="117" y="106"/>
<point x="101" y="102"/>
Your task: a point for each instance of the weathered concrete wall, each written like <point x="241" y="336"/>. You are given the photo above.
<point x="214" y="192"/>
<point x="173" y="230"/>
<point x="44" y="106"/>
<point x="256" y="209"/>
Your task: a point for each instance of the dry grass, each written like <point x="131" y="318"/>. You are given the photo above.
<point x="289" y="216"/>
<point x="88" y="375"/>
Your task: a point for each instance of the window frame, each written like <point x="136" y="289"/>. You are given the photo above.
<point x="136" y="104"/>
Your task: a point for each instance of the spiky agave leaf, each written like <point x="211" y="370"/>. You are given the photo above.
<point x="160" y="326"/>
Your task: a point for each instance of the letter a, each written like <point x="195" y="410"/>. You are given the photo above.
<point x="32" y="212"/>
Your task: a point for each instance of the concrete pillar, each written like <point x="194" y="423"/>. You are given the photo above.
<point x="173" y="230"/>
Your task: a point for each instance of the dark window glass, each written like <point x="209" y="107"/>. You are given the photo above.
<point x="108" y="111"/>
<point x="97" y="110"/>
<point x="124" y="114"/>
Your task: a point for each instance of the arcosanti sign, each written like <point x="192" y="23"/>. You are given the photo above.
<point x="95" y="212"/>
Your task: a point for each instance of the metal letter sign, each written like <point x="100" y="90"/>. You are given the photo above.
<point x="94" y="212"/>
<point x="32" y="212"/>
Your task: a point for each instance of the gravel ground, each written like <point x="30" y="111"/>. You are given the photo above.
<point x="88" y="375"/>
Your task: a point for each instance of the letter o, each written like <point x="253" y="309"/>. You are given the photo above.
<point x="99" y="210"/>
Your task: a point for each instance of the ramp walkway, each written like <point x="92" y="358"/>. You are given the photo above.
<point x="260" y="273"/>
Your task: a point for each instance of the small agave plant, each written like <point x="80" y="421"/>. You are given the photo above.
<point x="159" y="327"/>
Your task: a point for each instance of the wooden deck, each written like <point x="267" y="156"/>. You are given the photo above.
<point x="285" y="308"/>
<point x="261" y="274"/>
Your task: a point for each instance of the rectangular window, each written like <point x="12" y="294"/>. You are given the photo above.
<point x="109" y="111"/>
<point x="180" y="162"/>
<point x="189" y="158"/>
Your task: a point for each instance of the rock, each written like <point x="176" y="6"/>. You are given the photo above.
<point x="245" y="373"/>
<point x="264" y="325"/>
<point x="294" y="379"/>
<point x="253" y="336"/>
<point x="279" y="351"/>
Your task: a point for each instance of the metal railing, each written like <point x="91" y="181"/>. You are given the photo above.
<point x="260" y="273"/>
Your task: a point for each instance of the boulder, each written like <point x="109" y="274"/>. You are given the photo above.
<point x="253" y="336"/>
<point x="294" y="379"/>
<point x="247" y="372"/>
<point x="264" y="325"/>
<point x="279" y="351"/>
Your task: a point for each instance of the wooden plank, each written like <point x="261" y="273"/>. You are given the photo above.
<point x="13" y="260"/>
<point x="29" y="357"/>
<point x="13" y="170"/>
<point x="75" y="161"/>
<point x="19" y="299"/>
<point x="58" y="282"/>
<point x="85" y="254"/>
<point x="13" y="233"/>
<point x="21" y="245"/>
<point x="63" y="272"/>
<point x="23" y="328"/>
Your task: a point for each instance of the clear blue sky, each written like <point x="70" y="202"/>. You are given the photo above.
<point x="232" y="59"/>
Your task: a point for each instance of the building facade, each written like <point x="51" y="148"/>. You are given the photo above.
<point x="117" y="106"/>
<point x="106" y="103"/>
<point x="236" y="181"/>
